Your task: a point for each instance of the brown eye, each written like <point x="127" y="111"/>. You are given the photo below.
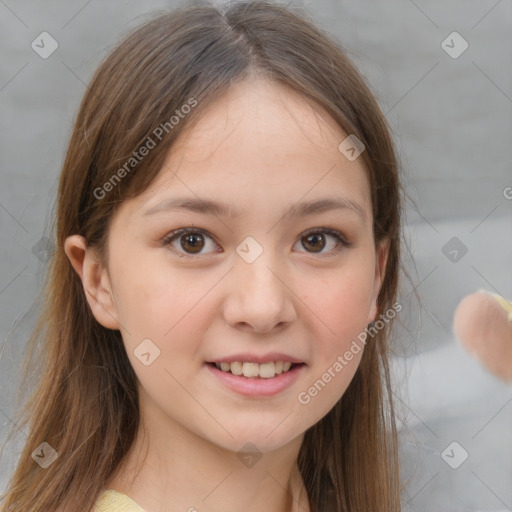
<point x="315" y="242"/>
<point x="192" y="242"/>
<point x="324" y="241"/>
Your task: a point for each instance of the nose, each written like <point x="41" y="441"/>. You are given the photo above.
<point x="261" y="296"/>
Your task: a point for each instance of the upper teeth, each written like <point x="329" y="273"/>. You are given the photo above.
<point x="264" y="370"/>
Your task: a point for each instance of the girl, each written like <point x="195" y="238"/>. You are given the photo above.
<point x="218" y="308"/>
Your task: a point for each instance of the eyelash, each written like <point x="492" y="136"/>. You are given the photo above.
<point x="176" y="234"/>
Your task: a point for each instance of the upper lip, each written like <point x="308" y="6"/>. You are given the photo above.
<point x="257" y="358"/>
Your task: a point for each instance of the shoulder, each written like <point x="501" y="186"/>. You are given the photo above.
<point x="115" y="501"/>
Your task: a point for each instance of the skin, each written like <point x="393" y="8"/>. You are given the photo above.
<point x="483" y="324"/>
<point x="261" y="148"/>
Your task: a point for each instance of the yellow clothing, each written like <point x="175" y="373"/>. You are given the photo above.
<point x="114" y="501"/>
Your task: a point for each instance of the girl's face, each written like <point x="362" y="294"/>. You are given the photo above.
<point x="247" y="280"/>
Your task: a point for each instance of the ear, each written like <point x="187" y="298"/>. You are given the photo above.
<point x="381" y="260"/>
<point x="95" y="280"/>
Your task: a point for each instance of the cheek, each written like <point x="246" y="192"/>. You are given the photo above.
<point x="164" y="307"/>
<point x="340" y="307"/>
<point x="340" y="304"/>
<point x="338" y="312"/>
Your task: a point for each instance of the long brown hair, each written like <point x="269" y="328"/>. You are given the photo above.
<point x="85" y="403"/>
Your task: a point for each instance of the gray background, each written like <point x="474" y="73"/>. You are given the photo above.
<point x="452" y="122"/>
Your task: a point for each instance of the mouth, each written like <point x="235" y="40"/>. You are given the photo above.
<point x="245" y="379"/>
<point x="258" y="371"/>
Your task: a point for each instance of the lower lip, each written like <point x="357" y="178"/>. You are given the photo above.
<point x="257" y="387"/>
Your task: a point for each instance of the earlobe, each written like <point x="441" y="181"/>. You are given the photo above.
<point x="380" y="270"/>
<point x="95" y="280"/>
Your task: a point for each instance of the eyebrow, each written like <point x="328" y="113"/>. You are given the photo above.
<point x="211" y="207"/>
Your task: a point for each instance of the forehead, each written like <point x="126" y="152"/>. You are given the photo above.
<point x="270" y="112"/>
<point x="261" y="141"/>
